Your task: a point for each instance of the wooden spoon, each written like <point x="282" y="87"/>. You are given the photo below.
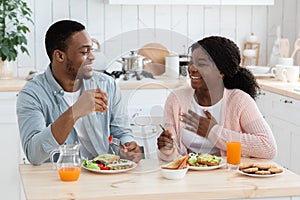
<point x="284" y="47"/>
<point x="296" y="47"/>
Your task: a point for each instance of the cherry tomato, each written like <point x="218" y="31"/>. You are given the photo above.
<point x="100" y="165"/>
<point x="104" y="168"/>
<point x="110" y="138"/>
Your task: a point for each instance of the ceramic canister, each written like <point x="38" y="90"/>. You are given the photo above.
<point x="172" y="66"/>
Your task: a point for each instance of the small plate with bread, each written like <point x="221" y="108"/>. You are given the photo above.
<point x="261" y="170"/>
<point x="175" y="169"/>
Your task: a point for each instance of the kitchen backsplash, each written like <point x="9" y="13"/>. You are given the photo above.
<point x="123" y="27"/>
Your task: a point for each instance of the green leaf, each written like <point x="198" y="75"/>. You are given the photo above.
<point x="13" y="29"/>
<point x="24" y="50"/>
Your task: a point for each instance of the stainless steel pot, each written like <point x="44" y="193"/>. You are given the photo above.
<point x="130" y="63"/>
<point x="134" y="62"/>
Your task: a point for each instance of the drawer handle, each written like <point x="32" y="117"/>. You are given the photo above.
<point x="286" y="101"/>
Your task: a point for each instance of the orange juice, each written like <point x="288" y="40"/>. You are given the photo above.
<point x="69" y="173"/>
<point x="98" y="98"/>
<point x="233" y="153"/>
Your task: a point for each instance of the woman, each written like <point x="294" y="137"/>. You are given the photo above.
<point x="220" y="102"/>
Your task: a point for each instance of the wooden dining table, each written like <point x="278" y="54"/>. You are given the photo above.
<point x="146" y="182"/>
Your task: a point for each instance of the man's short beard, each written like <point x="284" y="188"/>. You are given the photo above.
<point x="72" y="73"/>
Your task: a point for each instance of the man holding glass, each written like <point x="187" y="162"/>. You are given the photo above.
<point x="70" y="103"/>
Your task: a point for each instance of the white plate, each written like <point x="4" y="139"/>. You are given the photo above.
<point x="259" y="175"/>
<point x="259" y="69"/>
<point x="264" y="75"/>
<point x="297" y="89"/>
<point x="222" y="163"/>
<point x="113" y="171"/>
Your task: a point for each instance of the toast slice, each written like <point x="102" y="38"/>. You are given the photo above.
<point x="184" y="162"/>
<point x="179" y="163"/>
<point x="207" y="159"/>
<point x="106" y="158"/>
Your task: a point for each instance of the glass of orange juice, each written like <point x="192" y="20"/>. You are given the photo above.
<point x="234" y="149"/>
<point x="100" y="88"/>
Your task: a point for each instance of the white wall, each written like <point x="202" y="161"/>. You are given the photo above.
<point x="174" y="26"/>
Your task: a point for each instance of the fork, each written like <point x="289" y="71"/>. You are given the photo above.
<point x="175" y="143"/>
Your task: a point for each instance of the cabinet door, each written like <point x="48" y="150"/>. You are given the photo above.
<point x="264" y="103"/>
<point x="144" y="96"/>
<point x="295" y="148"/>
<point x="286" y="108"/>
<point x="285" y="124"/>
<point x="287" y="136"/>
<point x="9" y="147"/>
<point x="145" y="103"/>
<point x="282" y="134"/>
<point x="283" y="114"/>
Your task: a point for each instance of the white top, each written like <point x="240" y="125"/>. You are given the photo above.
<point x="196" y="143"/>
<point x="71" y="98"/>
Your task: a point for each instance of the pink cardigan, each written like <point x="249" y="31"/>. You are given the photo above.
<point x="239" y="114"/>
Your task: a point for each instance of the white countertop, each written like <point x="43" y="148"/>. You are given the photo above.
<point x="11" y="85"/>
<point x="160" y="82"/>
<point x="279" y="87"/>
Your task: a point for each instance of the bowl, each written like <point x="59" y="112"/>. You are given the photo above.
<point x="258" y="69"/>
<point x="252" y="38"/>
<point x="174" y="174"/>
<point x="285" y="61"/>
<point x="250" y="52"/>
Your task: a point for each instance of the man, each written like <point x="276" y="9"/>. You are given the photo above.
<point x="69" y="103"/>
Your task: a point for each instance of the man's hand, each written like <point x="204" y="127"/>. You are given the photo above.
<point x="90" y="101"/>
<point x="131" y="151"/>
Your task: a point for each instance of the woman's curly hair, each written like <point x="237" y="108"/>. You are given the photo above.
<point x="226" y="55"/>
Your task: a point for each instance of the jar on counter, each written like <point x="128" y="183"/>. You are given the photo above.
<point x="184" y="61"/>
<point x="6" y="69"/>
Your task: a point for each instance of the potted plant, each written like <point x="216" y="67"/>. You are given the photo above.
<point x="13" y="16"/>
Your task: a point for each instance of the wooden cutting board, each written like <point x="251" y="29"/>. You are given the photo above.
<point x="157" y="53"/>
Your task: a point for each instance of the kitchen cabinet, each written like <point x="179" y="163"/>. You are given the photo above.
<point x="11" y="153"/>
<point x="283" y="114"/>
<point x="145" y="100"/>
<point x="192" y="2"/>
<point x="143" y="103"/>
<point x="263" y="103"/>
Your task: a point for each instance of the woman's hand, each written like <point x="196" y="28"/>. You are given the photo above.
<point x="165" y="141"/>
<point x="198" y="124"/>
<point x="131" y="151"/>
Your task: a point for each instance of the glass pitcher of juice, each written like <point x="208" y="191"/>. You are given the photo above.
<point x="68" y="164"/>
